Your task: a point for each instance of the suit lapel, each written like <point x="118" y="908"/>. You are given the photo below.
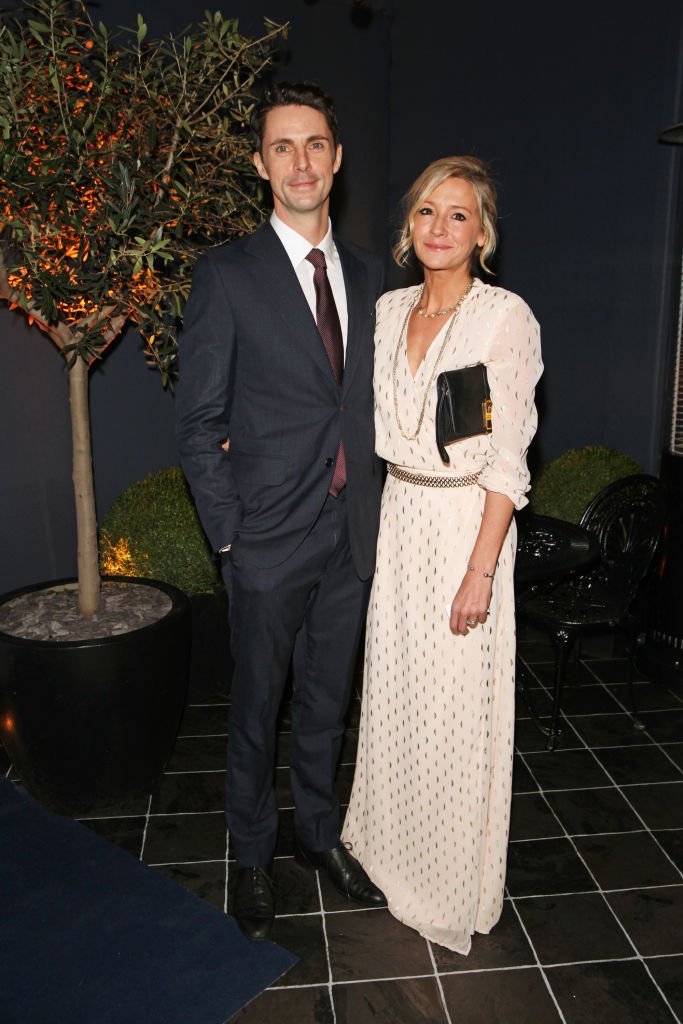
<point x="280" y="284"/>
<point x="354" y="281"/>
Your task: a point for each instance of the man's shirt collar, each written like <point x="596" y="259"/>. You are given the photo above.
<point x="298" y="247"/>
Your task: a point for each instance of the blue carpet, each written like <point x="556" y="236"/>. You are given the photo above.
<point x="89" y="935"/>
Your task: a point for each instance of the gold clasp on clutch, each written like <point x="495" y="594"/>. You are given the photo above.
<point x="487" y="408"/>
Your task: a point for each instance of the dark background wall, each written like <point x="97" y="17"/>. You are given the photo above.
<point x="567" y="107"/>
<point x="567" y="114"/>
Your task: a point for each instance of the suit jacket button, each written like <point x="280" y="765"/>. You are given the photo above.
<point x="329" y="462"/>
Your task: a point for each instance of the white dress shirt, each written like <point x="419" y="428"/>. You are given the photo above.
<point x="298" y="248"/>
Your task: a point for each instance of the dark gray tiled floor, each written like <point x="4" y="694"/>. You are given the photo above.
<point x="592" y="926"/>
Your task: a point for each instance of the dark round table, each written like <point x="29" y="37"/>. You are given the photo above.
<point x="549" y="548"/>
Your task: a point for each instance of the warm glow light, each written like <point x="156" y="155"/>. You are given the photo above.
<point x="117" y="559"/>
<point x="60" y="248"/>
<point x="8" y="723"/>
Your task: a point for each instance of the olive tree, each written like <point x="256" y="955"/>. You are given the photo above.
<point x="121" y="159"/>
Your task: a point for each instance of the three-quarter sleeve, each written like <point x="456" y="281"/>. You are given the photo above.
<point x="514" y="367"/>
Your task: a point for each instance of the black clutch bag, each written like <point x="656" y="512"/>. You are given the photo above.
<point x="463" y="406"/>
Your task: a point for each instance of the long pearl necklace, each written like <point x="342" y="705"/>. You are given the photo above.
<point x="399" y="349"/>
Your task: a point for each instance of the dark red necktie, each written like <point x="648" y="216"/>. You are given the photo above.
<point x="329" y="328"/>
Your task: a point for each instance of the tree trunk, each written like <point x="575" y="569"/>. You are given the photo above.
<point x="84" y="491"/>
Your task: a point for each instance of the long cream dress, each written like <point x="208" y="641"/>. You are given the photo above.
<point x="429" y="812"/>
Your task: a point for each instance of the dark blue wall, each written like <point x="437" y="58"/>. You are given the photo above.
<point x="566" y="103"/>
<point x="568" y="116"/>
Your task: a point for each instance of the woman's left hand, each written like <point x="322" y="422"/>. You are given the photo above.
<point x="470" y="605"/>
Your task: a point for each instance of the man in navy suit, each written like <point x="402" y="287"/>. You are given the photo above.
<point x="276" y="356"/>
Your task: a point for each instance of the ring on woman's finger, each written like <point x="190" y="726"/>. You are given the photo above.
<point x="471" y="622"/>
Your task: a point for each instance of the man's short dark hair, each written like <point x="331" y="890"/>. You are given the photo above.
<point x="287" y="94"/>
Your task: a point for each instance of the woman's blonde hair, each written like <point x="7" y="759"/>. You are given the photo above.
<point x="470" y="169"/>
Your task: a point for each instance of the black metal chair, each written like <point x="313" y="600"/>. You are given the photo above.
<point x="626" y="518"/>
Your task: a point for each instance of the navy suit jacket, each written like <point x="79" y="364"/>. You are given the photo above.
<point x="253" y="369"/>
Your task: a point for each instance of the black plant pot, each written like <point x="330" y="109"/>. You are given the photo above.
<point x="90" y="723"/>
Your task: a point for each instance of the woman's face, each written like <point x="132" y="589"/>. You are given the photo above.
<point x="447" y="226"/>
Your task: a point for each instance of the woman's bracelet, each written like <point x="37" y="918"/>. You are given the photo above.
<point x="488" y="575"/>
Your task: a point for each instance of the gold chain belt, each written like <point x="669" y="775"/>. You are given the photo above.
<point x="432" y="481"/>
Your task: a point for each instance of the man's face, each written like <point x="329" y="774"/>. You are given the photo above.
<point x="299" y="159"/>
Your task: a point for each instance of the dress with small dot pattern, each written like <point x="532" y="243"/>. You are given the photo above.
<point x="429" y="811"/>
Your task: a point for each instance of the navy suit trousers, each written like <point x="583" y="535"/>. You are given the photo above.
<point x="309" y="612"/>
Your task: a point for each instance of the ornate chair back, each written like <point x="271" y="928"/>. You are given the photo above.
<point x="627" y="518"/>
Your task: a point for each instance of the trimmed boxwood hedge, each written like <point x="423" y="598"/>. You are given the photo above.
<point x="565" y="487"/>
<point x="152" y="530"/>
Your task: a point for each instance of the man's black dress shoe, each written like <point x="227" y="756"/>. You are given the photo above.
<point x="253" y="904"/>
<point x="343" y="870"/>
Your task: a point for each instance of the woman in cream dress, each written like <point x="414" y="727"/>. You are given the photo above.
<point x="429" y="812"/>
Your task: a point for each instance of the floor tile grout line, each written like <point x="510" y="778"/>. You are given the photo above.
<point x="330" y="981"/>
<point x="591" y="749"/>
<point x="546" y="980"/>
<point x="602" y="714"/>
<point x="334" y="912"/>
<point x="587" y="868"/>
<point x="589" y="892"/>
<point x="438" y="982"/>
<point x="584" y="835"/>
<point x="637" y="814"/>
<point x="651" y="834"/>
<point x="465" y="972"/>
<point x="582" y="744"/>
<point x="590" y="789"/>
<point x="613" y="784"/>
<point x="400" y="977"/>
<point x="602" y="893"/>
<point x="633" y="715"/>
<point x="675" y="1016"/>
<point x="182" y="814"/>
<point x="586" y="662"/>
<point x="184" y="863"/>
<point x="589" y="683"/>
<point x="351" y="981"/>
<point x="619" y="709"/>
<point x="561" y="823"/>
<point x="144" y="830"/>
<point x="673" y="702"/>
<point x="548" y="689"/>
